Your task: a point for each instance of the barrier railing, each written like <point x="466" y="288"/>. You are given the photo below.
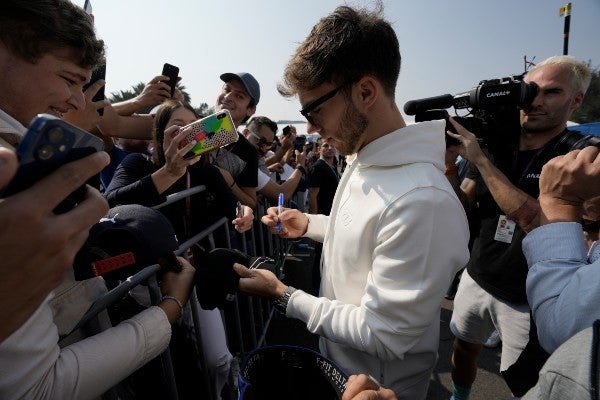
<point x="245" y="330"/>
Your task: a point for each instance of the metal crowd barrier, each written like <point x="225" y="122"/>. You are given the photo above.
<point x="246" y="321"/>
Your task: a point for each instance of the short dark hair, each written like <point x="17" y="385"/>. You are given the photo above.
<point x="32" y="28"/>
<point x="259" y="121"/>
<point x="343" y="47"/>
<point x="163" y="115"/>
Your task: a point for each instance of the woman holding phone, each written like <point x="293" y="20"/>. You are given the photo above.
<point x="147" y="180"/>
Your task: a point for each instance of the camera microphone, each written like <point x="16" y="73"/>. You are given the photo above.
<point x="413" y="107"/>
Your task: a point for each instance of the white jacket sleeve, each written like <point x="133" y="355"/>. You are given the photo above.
<point x="317" y="226"/>
<point x="32" y="366"/>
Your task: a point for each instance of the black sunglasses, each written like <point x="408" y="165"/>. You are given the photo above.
<point x="309" y="108"/>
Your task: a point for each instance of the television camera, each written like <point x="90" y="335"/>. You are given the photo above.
<point x="493" y="115"/>
<point x="493" y="108"/>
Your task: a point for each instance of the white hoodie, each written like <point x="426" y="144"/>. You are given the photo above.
<point x="396" y="236"/>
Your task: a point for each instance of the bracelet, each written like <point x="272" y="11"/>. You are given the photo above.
<point x="176" y="300"/>
<point x="451" y="170"/>
<point x="232" y="184"/>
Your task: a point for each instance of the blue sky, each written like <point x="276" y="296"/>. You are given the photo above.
<point x="446" y="46"/>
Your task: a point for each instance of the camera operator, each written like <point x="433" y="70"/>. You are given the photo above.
<point x="505" y="186"/>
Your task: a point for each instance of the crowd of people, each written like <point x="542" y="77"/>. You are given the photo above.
<point x="392" y="221"/>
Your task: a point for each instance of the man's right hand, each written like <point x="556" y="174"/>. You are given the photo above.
<point x="38" y="246"/>
<point x="293" y="222"/>
<point x="469" y="146"/>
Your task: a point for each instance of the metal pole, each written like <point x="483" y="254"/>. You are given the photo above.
<point x="566" y="29"/>
<point x="566" y="39"/>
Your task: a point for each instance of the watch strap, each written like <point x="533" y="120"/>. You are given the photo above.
<point x="281" y="303"/>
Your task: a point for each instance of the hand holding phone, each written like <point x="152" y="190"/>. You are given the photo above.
<point x="172" y="72"/>
<point x="49" y="143"/>
<point x="99" y="73"/>
<point x="299" y="142"/>
<point x="38" y="246"/>
<point x="210" y="133"/>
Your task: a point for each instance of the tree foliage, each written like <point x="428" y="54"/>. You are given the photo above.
<point x="590" y="109"/>
<point x="203" y="109"/>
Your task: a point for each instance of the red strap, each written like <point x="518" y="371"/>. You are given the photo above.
<point x="110" y="264"/>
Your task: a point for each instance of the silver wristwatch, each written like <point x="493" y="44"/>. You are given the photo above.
<point x="281" y="303"/>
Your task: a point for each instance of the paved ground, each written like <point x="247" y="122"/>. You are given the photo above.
<point x="489" y="384"/>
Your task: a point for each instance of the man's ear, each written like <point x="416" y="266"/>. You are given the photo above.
<point x="577" y="100"/>
<point x="369" y="89"/>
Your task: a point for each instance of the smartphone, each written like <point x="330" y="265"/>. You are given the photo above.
<point x="287" y="130"/>
<point x="172" y="72"/>
<point x="98" y="73"/>
<point x="49" y="143"/>
<point x="210" y="133"/>
<point x="299" y="142"/>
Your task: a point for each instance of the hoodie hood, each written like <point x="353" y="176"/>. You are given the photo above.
<point x="426" y="141"/>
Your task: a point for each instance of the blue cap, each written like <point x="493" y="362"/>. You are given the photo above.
<point x="250" y="83"/>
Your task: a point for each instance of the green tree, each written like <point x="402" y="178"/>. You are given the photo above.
<point x="590" y="109"/>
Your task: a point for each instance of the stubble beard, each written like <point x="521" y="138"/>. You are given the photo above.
<point x="351" y="128"/>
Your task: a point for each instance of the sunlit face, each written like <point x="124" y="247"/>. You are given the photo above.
<point x="555" y="101"/>
<point x="52" y="85"/>
<point x="235" y="98"/>
<point x="337" y="120"/>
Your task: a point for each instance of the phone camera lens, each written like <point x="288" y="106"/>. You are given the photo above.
<point x="45" y="152"/>
<point x="55" y="135"/>
<point x="220" y="116"/>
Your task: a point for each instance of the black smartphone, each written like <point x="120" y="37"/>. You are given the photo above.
<point x="98" y="73"/>
<point x="49" y="143"/>
<point x="287" y="130"/>
<point x="172" y="72"/>
<point x="299" y="142"/>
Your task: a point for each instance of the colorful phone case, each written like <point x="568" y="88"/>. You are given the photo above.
<point x="210" y="133"/>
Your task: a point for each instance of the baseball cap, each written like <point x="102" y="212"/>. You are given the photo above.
<point x="250" y="83"/>
<point x="216" y="280"/>
<point x="290" y="372"/>
<point x="128" y="239"/>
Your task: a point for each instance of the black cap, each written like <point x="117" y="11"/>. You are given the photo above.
<point x="216" y="281"/>
<point x="128" y="239"/>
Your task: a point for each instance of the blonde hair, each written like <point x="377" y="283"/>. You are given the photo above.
<point x="580" y="72"/>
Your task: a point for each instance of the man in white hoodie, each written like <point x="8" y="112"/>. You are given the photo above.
<point x="396" y="234"/>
